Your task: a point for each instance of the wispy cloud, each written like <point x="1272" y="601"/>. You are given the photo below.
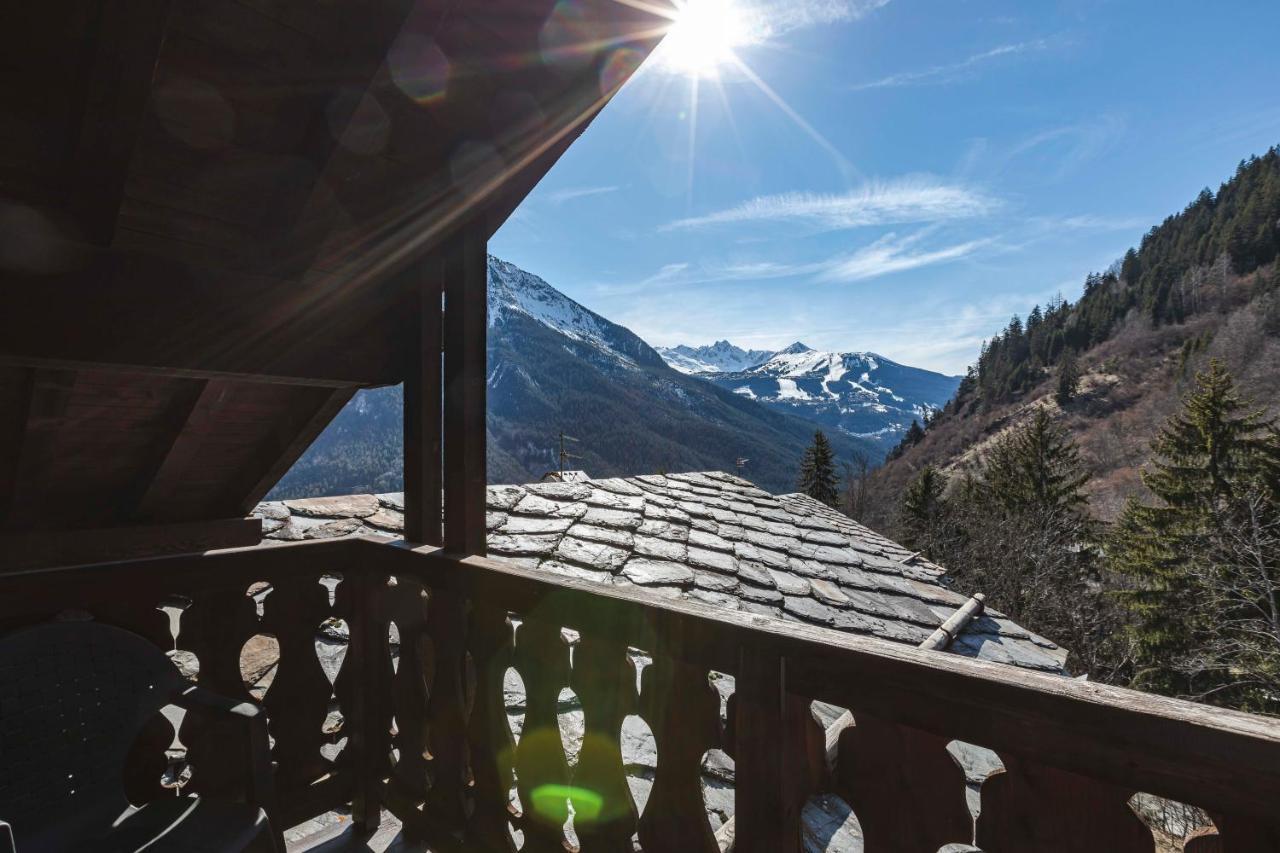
<point x="891" y="254"/>
<point x="782" y="16"/>
<point x="1068" y="147"/>
<point x="938" y="74"/>
<point x="896" y="202"/>
<point x="571" y="193"/>
<point x="887" y="255"/>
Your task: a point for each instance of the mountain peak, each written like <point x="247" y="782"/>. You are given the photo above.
<point x="795" y="348"/>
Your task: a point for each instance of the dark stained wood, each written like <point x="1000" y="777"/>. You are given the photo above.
<point x="488" y="731"/>
<point x="465" y="328"/>
<point x="766" y="815"/>
<point x="289" y="438"/>
<point x="683" y="711"/>
<point x="131" y="309"/>
<point x="603" y="678"/>
<point x="48" y="394"/>
<point x="1241" y="834"/>
<point x="40" y="549"/>
<point x="298" y="700"/>
<point x="423" y="399"/>
<point x="907" y="791"/>
<point x="542" y="771"/>
<point x="364" y="688"/>
<point x="16" y="386"/>
<point x="1191" y="753"/>
<point x="445" y="809"/>
<point x="406" y="607"/>
<point x="180" y="443"/>
<point x="117" y="85"/>
<point x="1086" y="815"/>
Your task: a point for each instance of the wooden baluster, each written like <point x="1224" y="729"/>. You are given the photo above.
<point x="446" y="801"/>
<point x="683" y="711"/>
<point x="1235" y="835"/>
<point x="766" y="814"/>
<point x="489" y="732"/>
<point x="1032" y="806"/>
<point x="148" y="761"/>
<point x="215" y="628"/>
<point x="907" y="791"/>
<point x="364" y="692"/>
<point x="298" y="701"/>
<point x="406" y="606"/>
<point x="542" y="772"/>
<point x="604" y="679"/>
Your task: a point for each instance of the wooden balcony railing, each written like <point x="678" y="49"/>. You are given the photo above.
<point x="420" y="725"/>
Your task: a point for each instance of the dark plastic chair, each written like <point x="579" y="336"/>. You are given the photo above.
<point x="73" y="698"/>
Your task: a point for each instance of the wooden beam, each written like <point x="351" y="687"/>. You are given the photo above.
<point x="423" y="474"/>
<point x="465" y="329"/>
<point x="49" y="392"/>
<point x="140" y="311"/>
<point x="41" y="549"/>
<point x="117" y="83"/>
<point x="288" y="441"/>
<point x="180" y="446"/>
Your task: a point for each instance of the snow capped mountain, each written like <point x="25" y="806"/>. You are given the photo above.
<point x="512" y="291"/>
<point x="859" y="393"/>
<point x="720" y="357"/>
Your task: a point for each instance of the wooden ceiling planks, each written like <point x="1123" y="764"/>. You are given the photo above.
<point x="213" y="208"/>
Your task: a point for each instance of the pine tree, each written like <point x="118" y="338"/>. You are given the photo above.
<point x="1068" y="380"/>
<point x="818" y="471"/>
<point x="921" y="514"/>
<point x="1037" y="467"/>
<point x="1209" y="454"/>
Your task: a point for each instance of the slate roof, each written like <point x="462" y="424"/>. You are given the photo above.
<point x="709" y="537"/>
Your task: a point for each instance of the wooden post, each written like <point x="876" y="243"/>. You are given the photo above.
<point x="422" y="407"/>
<point x="369" y="741"/>
<point x="465" y="330"/>
<point x="767" y="812"/>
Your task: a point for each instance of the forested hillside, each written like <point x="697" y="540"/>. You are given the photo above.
<point x="1109" y="470"/>
<point x="1201" y="285"/>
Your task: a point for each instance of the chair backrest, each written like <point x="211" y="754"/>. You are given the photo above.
<point x="73" y="696"/>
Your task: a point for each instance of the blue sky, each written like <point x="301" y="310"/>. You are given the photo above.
<point x="895" y="175"/>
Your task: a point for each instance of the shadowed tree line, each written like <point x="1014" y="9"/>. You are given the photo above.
<point x="1180" y="596"/>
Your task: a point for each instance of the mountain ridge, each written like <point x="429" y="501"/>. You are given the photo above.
<point x="554" y="365"/>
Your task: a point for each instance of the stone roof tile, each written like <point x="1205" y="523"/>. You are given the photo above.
<point x="710" y="537"/>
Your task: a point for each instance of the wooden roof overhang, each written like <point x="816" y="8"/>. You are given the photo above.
<point x="212" y="211"/>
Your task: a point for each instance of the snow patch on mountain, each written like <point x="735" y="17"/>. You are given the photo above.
<point x="859" y="393"/>
<point x="720" y="357"/>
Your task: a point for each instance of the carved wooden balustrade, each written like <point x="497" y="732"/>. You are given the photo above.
<point x="418" y="720"/>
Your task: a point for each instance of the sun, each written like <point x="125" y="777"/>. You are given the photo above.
<point x="703" y="37"/>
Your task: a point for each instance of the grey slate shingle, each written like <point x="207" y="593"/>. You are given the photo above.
<point x="709" y="537"/>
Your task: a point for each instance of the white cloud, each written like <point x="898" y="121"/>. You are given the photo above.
<point x="890" y="254"/>
<point x="783" y="16"/>
<point x="946" y="73"/>
<point x="571" y="193"/>
<point x="905" y="200"/>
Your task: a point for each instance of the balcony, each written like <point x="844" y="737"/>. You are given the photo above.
<point x="421" y="728"/>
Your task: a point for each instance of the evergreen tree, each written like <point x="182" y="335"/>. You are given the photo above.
<point x="1208" y="456"/>
<point x="1068" y="380"/>
<point x="921" y="515"/>
<point x="818" y="471"/>
<point x="1036" y="468"/>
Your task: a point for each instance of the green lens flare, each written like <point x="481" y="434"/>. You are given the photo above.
<point x="548" y="801"/>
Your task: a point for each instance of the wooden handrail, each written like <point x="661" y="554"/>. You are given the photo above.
<point x="1221" y="760"/>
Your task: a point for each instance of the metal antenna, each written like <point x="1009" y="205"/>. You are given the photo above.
<point x="565" y="455"/>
